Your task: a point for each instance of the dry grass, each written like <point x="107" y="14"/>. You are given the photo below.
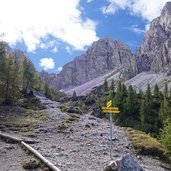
<point x="71" y="117"/>
<point x="31" y="164"/>
<point x="145" y="143"/>
<point x="61" y="126"/>
<point x="25" y="123"/>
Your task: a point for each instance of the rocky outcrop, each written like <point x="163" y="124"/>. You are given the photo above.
<point x="126" y="163"/>
<point x="155" y="51"/>
<point x="104" y="55"/>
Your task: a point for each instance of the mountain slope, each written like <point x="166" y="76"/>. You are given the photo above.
<point x="107" y="56"/>
<point x="103" y="56"/>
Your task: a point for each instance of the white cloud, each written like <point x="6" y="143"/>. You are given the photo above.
<point x="32" y="21"/>
<point x="55" y="50"/>
<point x="88" y="1"/>
<point x="69" y="50"/>
<point x="47" y="63"/>
<point x="147" y="9"/>
<point x="114" y="5"/>
<point x="60" y="69"/>
<point x="136" y="29"/>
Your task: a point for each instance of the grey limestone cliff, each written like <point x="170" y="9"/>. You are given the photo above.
<point x="155" y="51"/>
<point x="104" y="55"/>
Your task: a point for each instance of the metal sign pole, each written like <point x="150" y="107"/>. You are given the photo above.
<point x="110" y="136"/>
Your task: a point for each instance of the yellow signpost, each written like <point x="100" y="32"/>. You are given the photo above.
<point x="109" y="109"/>
<point x="109" y="103"/>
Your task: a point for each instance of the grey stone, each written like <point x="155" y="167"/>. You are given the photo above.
<point x="127" y="163"/>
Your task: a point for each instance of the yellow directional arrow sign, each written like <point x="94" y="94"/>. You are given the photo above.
<point x="111" y="108"/>
<point x="109" y="103"/>
<point x="111" y="111"/>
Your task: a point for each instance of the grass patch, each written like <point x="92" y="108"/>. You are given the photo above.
<point x="61" y="126"/>
<point x="71" y="117"/>
<point x="26" y="123"/>
<point x="31" y="164"/>
<point x="71" y="109"/>
<point x="145" y="143"/>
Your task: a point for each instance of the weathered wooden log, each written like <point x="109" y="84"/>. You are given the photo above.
<point x="15" y="139"/>
<point x="39" y="156"/>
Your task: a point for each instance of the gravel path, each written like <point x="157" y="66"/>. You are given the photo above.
<point x="83" y="145"/>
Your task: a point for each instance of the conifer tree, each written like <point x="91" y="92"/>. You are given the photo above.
<point x="112" y="88"/>
<point x="165" y="92"/>
<point x="131" y="101"/>
<point x="119" y="96"/>
<point x="156" y="91"/>
<point x="147" y="113"/>
<point x="165" y="136"/>
<point x="74" y="96"/>
<point x="142" y="112"/>
<point x="105" y="86"/>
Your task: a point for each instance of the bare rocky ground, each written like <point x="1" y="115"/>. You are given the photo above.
<point x="79" y="145"/>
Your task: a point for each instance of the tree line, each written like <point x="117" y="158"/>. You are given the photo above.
<point x="148" y="111"/>
<point x="18" y="77"/>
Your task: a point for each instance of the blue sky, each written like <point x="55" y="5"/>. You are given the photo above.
<point x="53" y="32"/>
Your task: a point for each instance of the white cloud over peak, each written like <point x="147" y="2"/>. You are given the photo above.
<point x="147" y="9"/>
<point x="31" y="21"/>
<point x="47" y="63"/>
<point x="137" y="29"/>
<point x="60" y="69"/>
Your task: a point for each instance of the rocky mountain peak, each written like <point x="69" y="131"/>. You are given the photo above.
<point x="155" y="51"/>
<point x="104" y="55"/>
<point x="167" y="8"/>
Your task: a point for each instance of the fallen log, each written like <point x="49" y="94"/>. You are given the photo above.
<point x="15" y="139"/>
<point x="39" y="156"/>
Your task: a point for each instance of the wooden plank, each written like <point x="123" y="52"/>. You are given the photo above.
<point x="15" y="139"/>
<point x="38" y="155"/>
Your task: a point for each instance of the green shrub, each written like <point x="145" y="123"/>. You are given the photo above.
<point x="165" y="137"/>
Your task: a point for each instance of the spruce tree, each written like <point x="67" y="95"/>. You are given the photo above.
<point x="142" y="112"/>
<point x="156" y="91"/>
<point x="130" y="102"/>
<point x="148" y="106"/>
<point x="165" y="136"/>
<point x="105" y="86"/>
<point x="119" y="96"/>
<point x="165" y="92"/>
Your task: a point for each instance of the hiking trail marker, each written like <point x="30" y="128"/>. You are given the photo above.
<point x="111" y="110"/>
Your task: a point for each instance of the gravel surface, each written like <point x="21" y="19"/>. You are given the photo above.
<point x="82" y="145"/>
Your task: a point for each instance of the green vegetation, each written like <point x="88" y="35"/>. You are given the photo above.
<point x="62" y="126"/>
<point x="24" y="123"/>
<point x="19" y="78"/>
<point x="71" y="117"/>
<point x="165" y="137"/>
<point x="145" y="143"/>
<point x="18" y="75"/>
<point x="31" y="164"/>
<point x="145" y="111"/>
<point x="53" y="94"/>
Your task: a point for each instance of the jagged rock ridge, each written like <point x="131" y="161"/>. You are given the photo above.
<point x="106" y="55"/>
<point x="103" y="56"/>
<point x="155" y="51"/>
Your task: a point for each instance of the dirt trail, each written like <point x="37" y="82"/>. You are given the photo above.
<point x="82" y="145"/>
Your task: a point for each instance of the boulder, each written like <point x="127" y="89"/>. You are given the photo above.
<point x="127" y="163"/>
